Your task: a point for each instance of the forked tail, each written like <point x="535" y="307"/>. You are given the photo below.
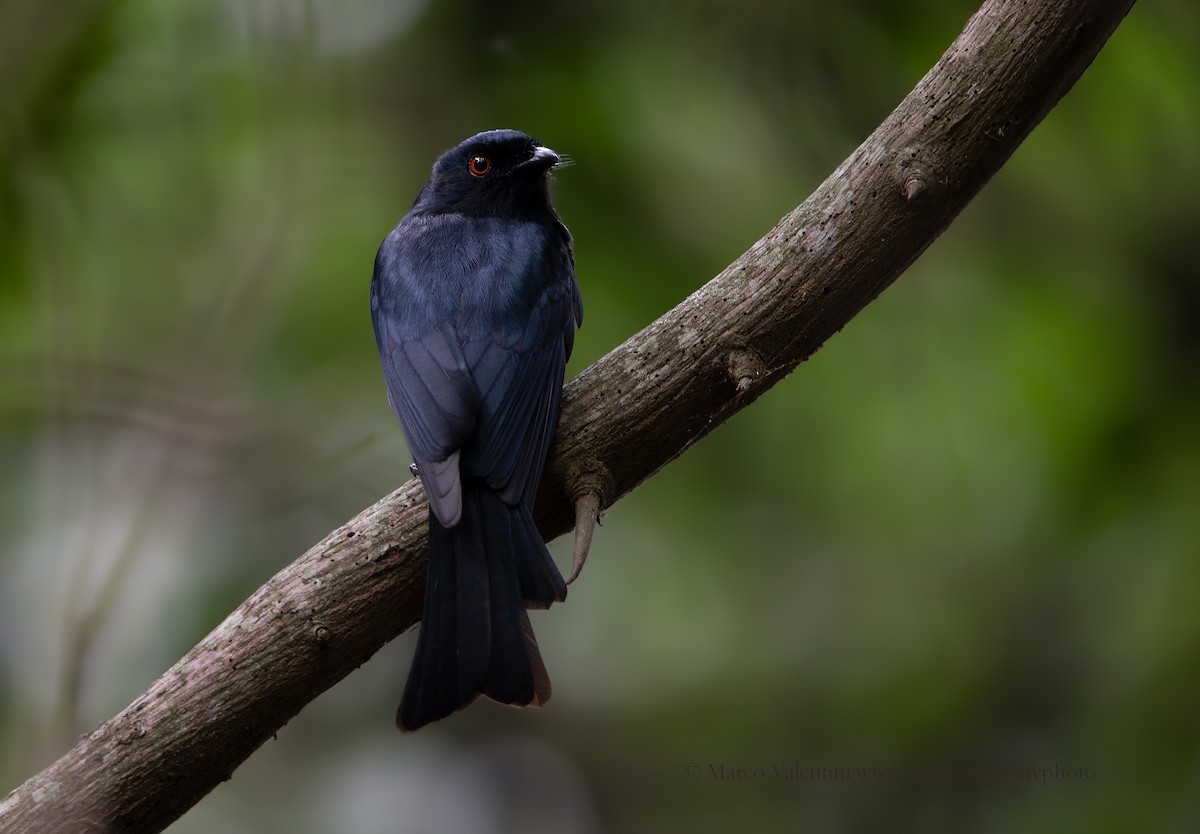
<point x="475" y="634"/>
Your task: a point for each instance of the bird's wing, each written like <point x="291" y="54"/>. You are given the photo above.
<point x="428" y="383"/>
<point x="519" y="374"/>
<point x="430" y="388"/>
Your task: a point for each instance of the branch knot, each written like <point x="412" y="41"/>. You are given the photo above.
<point x="745" y="368"/>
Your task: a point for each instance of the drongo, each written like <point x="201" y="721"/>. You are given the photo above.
<point x="475" y="305"/>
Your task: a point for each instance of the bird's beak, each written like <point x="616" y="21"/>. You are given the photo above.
<point x="543" y="154"/>
<point x="543" y="159"/>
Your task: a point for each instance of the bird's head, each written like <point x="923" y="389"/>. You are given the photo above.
<point x="500" y="173"/>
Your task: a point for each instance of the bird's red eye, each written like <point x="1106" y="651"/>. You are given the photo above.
<point x="479" y="165"/>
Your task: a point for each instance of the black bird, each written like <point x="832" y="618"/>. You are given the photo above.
<point x="475" y="306"/>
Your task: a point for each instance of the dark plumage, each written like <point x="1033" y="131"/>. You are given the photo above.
<point x="475" y="305"/>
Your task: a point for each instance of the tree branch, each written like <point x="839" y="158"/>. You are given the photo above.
<point x="623" y="418"/>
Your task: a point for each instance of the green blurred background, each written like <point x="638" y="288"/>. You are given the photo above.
<point x="963" y="537"/>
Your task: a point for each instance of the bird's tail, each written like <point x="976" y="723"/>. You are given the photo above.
<point x="475" y="635"/>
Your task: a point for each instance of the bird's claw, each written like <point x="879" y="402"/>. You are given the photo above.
<point x="587" y="516"/>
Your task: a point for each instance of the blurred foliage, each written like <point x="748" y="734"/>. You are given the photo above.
<point x="963" y="536"/>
